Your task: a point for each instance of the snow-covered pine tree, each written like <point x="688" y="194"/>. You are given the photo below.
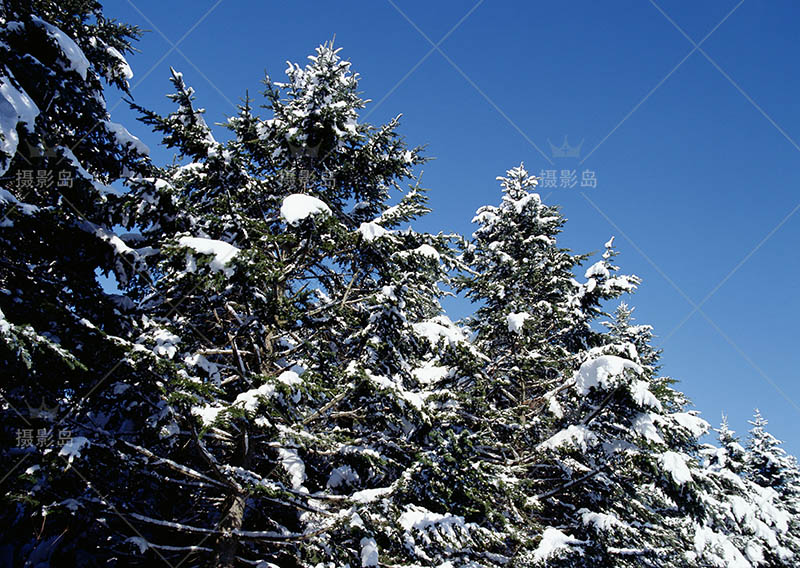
<point x="636" y="341"/>
<point x="742" y="523"/>
<point x="295" y="320"/>
<point x="59" y="156"/>
<point x="766" y="462"/>
<point x="769" y="466"/>
<point x="615" y="482"/>
<point x="577" y="462"/>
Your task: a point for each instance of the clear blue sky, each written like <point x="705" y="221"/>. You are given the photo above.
<point x="696" y="155"/>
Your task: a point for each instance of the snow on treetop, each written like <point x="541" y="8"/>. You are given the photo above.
<point x="599" y="268"/>
<point x="517" y="182"/>
<point x="74" y="55"/>
<point x="299" y="206"/>
<point x="223" y="252"/>
<point x="602" y="372"/>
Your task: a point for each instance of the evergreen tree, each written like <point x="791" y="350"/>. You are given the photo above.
<point x="619" y="460"/>
<point x="769" y="466"/>
<point x="291" y="315"/>
<point x="743" y="524"/>
<point x="61" y="333"/>
<point x="277" y="383"/>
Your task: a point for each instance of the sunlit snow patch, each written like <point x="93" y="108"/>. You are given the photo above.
<point x="371" y="231"/>
<point x="223" y="252"/>
<point x="299" y="206"/>
<point x="603" y="372"/>
<point x="72" y="449"/>
<point x="516" y="321"/>
<point x="552" y="541"/>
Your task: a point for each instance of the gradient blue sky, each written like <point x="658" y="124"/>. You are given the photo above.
<point x="695" y="152"/>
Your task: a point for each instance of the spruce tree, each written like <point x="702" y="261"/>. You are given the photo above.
<point x="776" y="472"/>
<point x="294" y="318"/>
<point x="62" y="335"/>
<point x="620" y="489"/>
<point x="743" y="523"/>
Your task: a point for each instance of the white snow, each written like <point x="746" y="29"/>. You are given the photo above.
<point x="102" y="188"/>
<point x="522" y="202"/>
<point x="642" y="396"/>
<point x="515" y="321"/>
<point x="198" y="360"/>
<point x="24" y="208"/>
<point x="223" y="252"/>
<point x="645" y="426"/>
<point x="602" y="521"/>
<point x="290" y="378"/>
<point x="166" y="342"/>
<point x="573" y="435"/>
<point x="16" y="107"/>
<point x="696" y="425"/>
<point x="555" y="407"/>
<point x="430" y="373"/>
<point x="72" y="449"/>
<point x="74" y="55"/>
<point x="125" y="68"/>
<point x="294" y="466"/>
<point x="552" y="541"/>
<point x="602" y="372"/>
<point x="299" y="206"/>
<point x="415" y="517"/>
<point x="250" y="399"/>
<point x="597" y="269"/>
<point x="370" y="495"/>
<point x="675" y="464"/>
<point x="437" y="329"/>
<point x="139" y="543"/>
<point x="718" y="549"/>
<point x="427" y="250"/>
<point x="417" y="400"/>
<point x="371" y="231"/>
<point x="369" y="552"/>
<point x="343" y="474"/>
<point x="124" y="137"/>
<point x="207" y="414"/>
